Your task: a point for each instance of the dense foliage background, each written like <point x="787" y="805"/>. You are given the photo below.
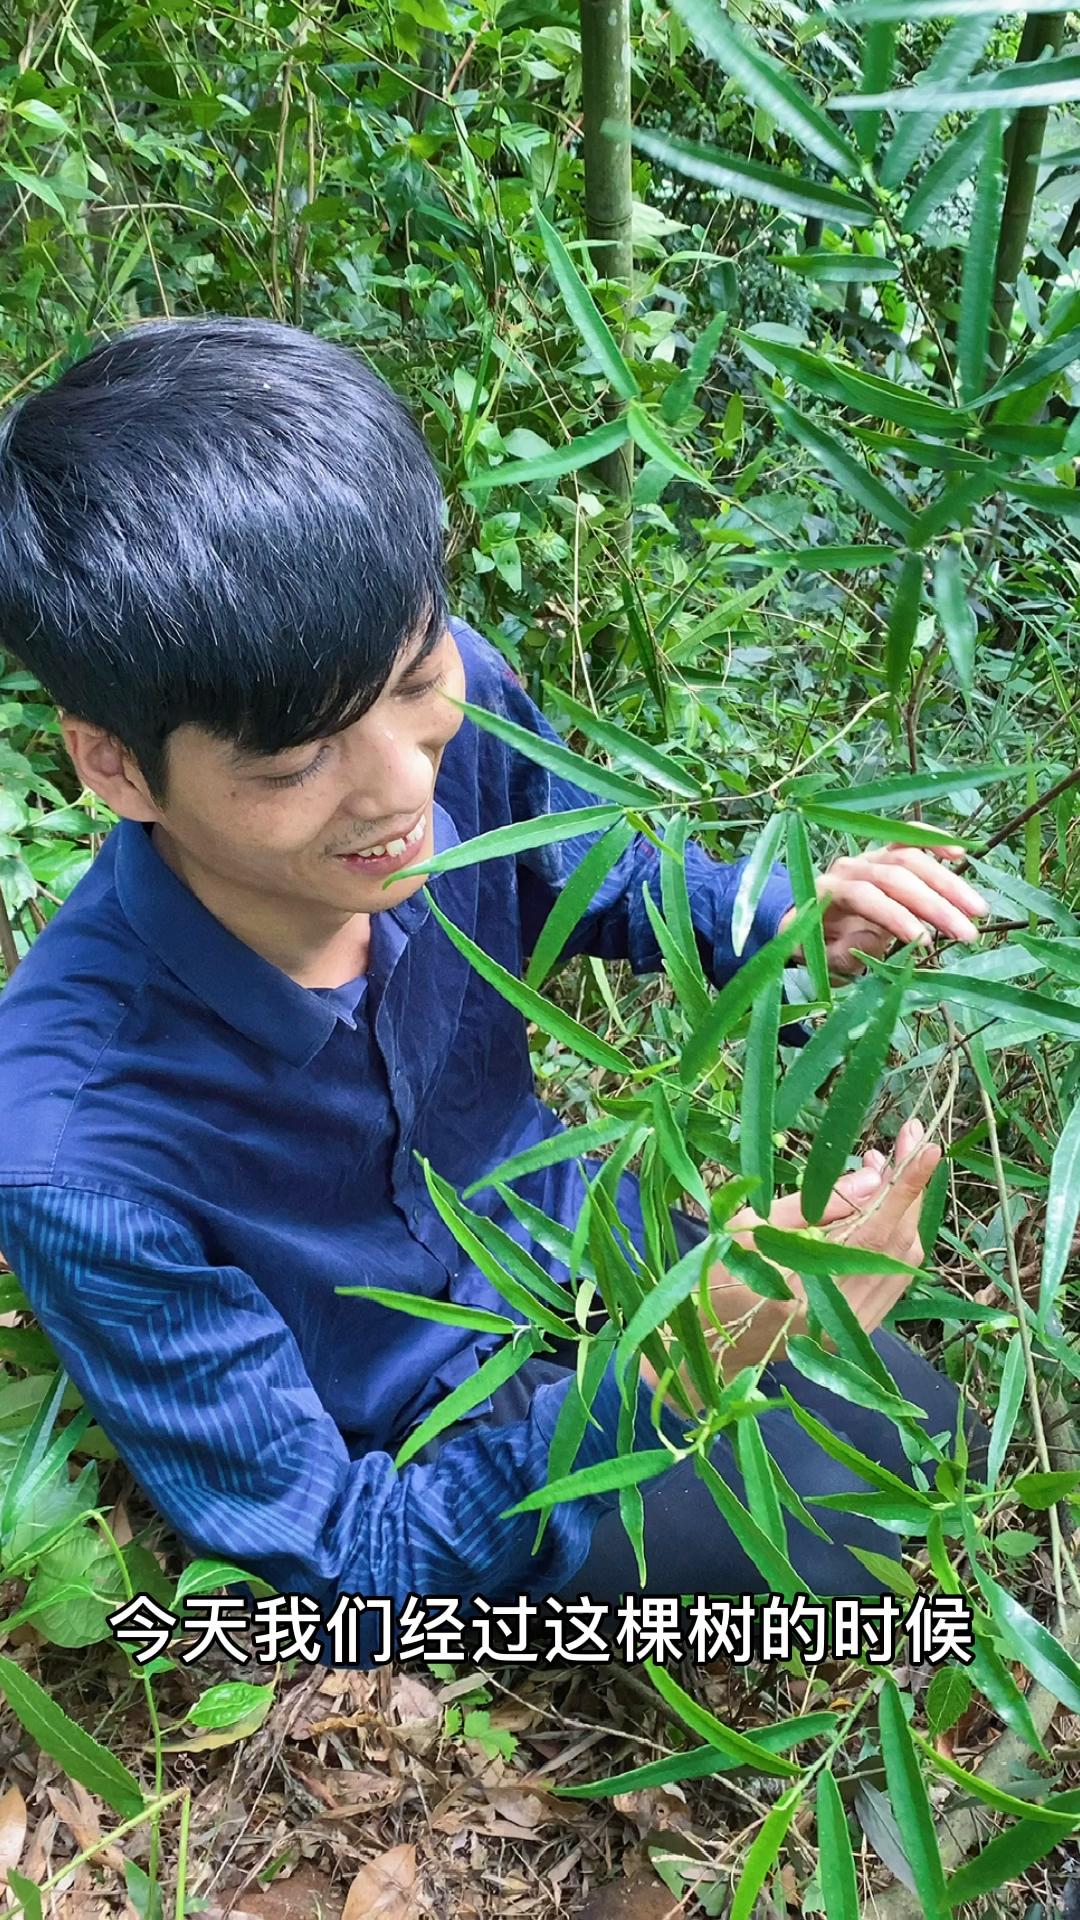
<point x="838" y="607"/>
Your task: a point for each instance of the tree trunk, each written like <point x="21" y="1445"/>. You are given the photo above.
<point x="605" y="90"/>
<point x="1042" y="32"/>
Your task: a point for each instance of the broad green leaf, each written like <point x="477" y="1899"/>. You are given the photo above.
<point x="656" y="765"/>
<point x="980" y="255"/>
<point x="655" y="445"/>
<point x="850" y="1457"/>
<point x="491" y="1374"/>
<point x="739" y="993"/>
<point x="827" y="1049"/>
<point x="41" y="115"/>
<point x="871" y="826"/>
<point x="951" y="168"/>
<point x="575" y="898"/>
<point x="904" y="789"/>
<point x="804" y="887"/>
<point x="447" y="1312"/>
<point x="519" y="838"/>
<point x="559" y="759"/>
<point x="767" y="85"/>
<point x="1062" y="1211"/>
<point x="586" y="315"/>
<point x="585" y="451"/>
<point x="850" y="475"/>
<point x="842" y="1121"/>
<point x="821" y="263"/>
<point x="910" y="1803"/>
<point x="27" y="1893"/>
<point x="207" y="1576"/>
<point x="958" y="622"/>
<point x="32" y="183"/>
<point x="700" y="1721"/>
<point x="756" y="1150"/>
<point x="1042" y="1490"/>
<point x="753" y="879"/>
<point x="843" y="1377"/>
<point x="543" y="1013"/>
<point x="232" y="1700"/>
<point x="763" y="1853"/>
<point x="76" y="1751"/>
<point x="903" y="622"/>
<point x="627" y="1470"/>
<point x="948" y="1698"/>
<point x="1034" y="367"/>
<point x="957" y="54"/>
<point x="696" y="1763"/>
<point x="752" y="180"/>
<point x="570" y="1144"/>
<point x="836" y="1861"/>
<point x="848" y="386"/>
<point x="1040" y="1651"/>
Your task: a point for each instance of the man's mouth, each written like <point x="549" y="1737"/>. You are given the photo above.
<point x="388" y="853"/>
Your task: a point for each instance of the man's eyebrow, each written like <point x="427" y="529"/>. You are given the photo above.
<point x="424" y="652"/>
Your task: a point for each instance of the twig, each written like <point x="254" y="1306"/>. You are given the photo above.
<point x="1021" y="819"/>
<point x="276" y="197"/>
<point x="9" y="952"/>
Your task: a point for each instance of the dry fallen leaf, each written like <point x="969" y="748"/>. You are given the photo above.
<point x="412" y="1700"/>
<point x="386" y="1887"/>
<point x="12" y="1830"/>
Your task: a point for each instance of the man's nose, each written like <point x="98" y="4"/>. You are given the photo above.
<point x="390" y="774"/>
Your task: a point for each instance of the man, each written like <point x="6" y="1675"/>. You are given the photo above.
<point x="221" y="552"/>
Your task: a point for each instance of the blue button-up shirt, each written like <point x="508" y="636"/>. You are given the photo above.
<point x="199" y="1153"/>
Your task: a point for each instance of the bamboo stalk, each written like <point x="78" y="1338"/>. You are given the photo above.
<point x="609" y="199"/>
<point x="1043" y="33"/>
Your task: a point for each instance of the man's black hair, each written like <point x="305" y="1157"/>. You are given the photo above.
<point x="222" y="522"/>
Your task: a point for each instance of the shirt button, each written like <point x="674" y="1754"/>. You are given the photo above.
<point x="417" y="1216"/>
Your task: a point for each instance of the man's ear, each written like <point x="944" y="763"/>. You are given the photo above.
<point x="108" y="769"/>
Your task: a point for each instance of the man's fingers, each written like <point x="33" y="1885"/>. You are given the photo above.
<point x="921" y="861"/>
<point x="924" y="901"/>
<point x="865" y="901"/>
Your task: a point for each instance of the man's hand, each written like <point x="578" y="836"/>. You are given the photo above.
<point x="889" y="894"/>
<point x="876" y="1207"/>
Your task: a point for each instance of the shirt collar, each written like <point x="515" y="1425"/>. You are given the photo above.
<point x="249" y="993"/>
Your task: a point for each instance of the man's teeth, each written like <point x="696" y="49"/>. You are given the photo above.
<point x="394" y="847"/>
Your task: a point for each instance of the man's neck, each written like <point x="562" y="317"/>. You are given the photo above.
<point x="326" y="950"/>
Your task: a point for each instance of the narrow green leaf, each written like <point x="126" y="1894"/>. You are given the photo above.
<point x="843" y="1377"/>
<point x="753" y="879"/>
<point x="771" y="1560"/>
<point x="559" y="759"/>
<point x="855" y="479"/>
<point x="1062" y="1211"/>
<point x="904" y="789"/>
<point x="948" y="1698"/>
<point x="813" y="559"/>
<point x="998" y="1000"/>
<point x="767" y="85"/>
<point x="827" y="1049"/>
<point x="739" y="993"/>
<point x="32" y="183"/>
<point x="508" y="1267"/>
<point x="956" y="503"/>
<point x="879" y="53"/>
<point x="447" y="1312"/>
<point x="910" y="1803"/>
<point x="521" y="837"/>
<point x="586" y="315"/>
<point x="1034" y="367"/>
<point x="697" y="1763"/>
<point x="584" y="451"/>
<point x="822" y="264"/>
<point x="661" y="1301"/>
<point x="984" y="1790"/>
<point x="836" y="1861"/>
<point x="75" y="1751"/>
<point x="763" y="1853"/>
<point x="1064" y="502"/>
<point x="958" y="622"/>
<point x="675" y="898"/>
<point x="980" y="256"/>
<point x="655" y="445"/>
<point x="569" y="1144"/>
<point x="673" y="1148"/>
<point x="756" y="1467"/>
<point x="694" y="999"/>
<point x="681" y="393"/>
<point x="1004" y="1858"/>
<point x="575" y="899"/>
<point x="958" y="53"/>
<point x="543" y="1013"/>
<point x="842" y="1121"/>
<point x="903" y="622"/>
<point x="834" y="379"/>
<point x="951" y="168"/>
<point x="627" y="1470"/>
<point x="700" y="1721"/>
<point x="756" y="1149"/>
<point x="1041" y="1653"/>
<point x="27" y="1893"/>
<point x="804" y="887"/>
<point x="1035" y="83"/>
<point x="656" y="765"/>
<point x="870" y="826"/>
<point x="850" y="1457"/>
<point x="752" y="180"/>
<point x="1040" y="1491"/>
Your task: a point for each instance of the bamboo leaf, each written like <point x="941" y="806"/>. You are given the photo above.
<point x="660" y="1302"/>
<point x="656" y="765"/>
<point x="756" y="1468"/>
<point x="955" y="504"/>
<point x="1034" y="367"/>
<point x="1064" y="502"/>
<point x="694" y="999"/>
<point x="904" y="789"/>
<point x="763" y="1853"/>
<point x="675" y="897"/>
<point x="696" y="1763"/>
<point x="447" y="1312"/>
<point x="849" y="1381"/>
<point x="980" y="257"/>
<point x="543" y="1013"/>
<point x="958" y="622"/>
<point x="586" y="315"/>
<point x="700" y="1721"/>
<point x="822" y="264"/>
<point x="570" y="1144"/>
<point x="767" y="85"/>
<point x="850" y="1457"/>
<point x="655" y="445"/>
<point x="871" y="826"/>
<point x="903" y="622"/>
<point x="76" y="1751"/>
<point x="812" y="1253"/>
<point x="508" y="1267"/>
<point x="753" y="879"/>
<point x="681" y="393"/>
<point x="910" y="1803"/>
<point x="831" y="379"/>
<point x="879" y="54"/>
<point x="842" y="1120"/>
<point x="1035" y="83"/>
<point x="823" y="559"/>
<point x="756" y="1149"/>
<point x="804" y="887"/>
<point x="518" y="838"/>
<point x="990" y="1795"/>
<point x="1062" y="1211"/>
<point x="627" y="1470"/>
<point x="1041" y="1653"/>
<point x="958" y="53"/>
<point x="836" y="1861"/>
<point x="575" y="899"/>
<point x="827" y="1049"/>
<point x="949" y="171"/>
<point x="849" y="473"/>
<point x="491" y="1374"/>
<point x="739" y="993"/>
<point x="752" y="180"/>
<point x="584" y="451"/>
<point x="1004" y="1858"/>
<point x="998" y="1000"/>
<point x="558" y="759"/>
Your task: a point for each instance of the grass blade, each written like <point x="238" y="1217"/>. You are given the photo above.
<point x="980" y="257"/>
<point x="753" y="180"/>
<point x="586" y="315"/>
<point x="911" y="1804"/>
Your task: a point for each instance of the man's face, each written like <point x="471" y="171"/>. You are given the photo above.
<point x="327" y="823"/>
